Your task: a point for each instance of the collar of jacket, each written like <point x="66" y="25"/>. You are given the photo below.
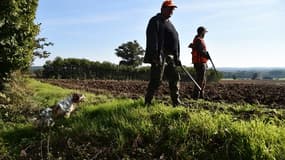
<point x="159" y="15"/>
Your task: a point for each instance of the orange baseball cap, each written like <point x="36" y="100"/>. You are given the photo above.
<point x="168" y="3"/>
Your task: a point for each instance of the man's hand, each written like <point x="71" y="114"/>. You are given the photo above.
<point x="207" y="55"/>
<point x="157" y="60"/>
<point x="191" y="45"/>
<point x="178" y="63"/>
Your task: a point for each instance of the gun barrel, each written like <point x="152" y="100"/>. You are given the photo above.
<point x="213" y="65"/>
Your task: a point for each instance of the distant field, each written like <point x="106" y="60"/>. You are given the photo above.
<point x="261" y="82"/>
<point x="266" y="92"/>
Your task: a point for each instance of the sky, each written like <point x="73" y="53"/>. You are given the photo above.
<point x="242" y="33"/>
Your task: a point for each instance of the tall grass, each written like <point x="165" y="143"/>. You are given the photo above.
<point x="105" y="127"/>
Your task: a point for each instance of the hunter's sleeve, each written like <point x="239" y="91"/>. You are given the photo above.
<point x="178" y="54"/>
<point x="152" y="38"/>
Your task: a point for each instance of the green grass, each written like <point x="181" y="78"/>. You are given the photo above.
<point x="105" y="127"/>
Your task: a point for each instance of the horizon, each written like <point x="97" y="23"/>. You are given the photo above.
<point x="241" y="33"/>
<point x="225" y="68"/>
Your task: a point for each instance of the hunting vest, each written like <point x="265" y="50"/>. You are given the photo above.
<point x="196" y="56"/>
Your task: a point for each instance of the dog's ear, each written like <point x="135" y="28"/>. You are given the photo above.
<point x="55" y="109"/>
<point x="76" y="97"/>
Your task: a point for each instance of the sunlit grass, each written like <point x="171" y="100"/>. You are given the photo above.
<point x="125" y="128"/>
<point x="192" y="133"/>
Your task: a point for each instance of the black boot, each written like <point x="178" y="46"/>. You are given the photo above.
<point x="196" y="95"/>
<point x="176" y="102"/>
<point x="202" y="95"/>
<point x="147" y="103"/>
<point x="147" y="100"/>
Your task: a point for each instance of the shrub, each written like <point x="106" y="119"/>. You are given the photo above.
<point x="17" y="36"/>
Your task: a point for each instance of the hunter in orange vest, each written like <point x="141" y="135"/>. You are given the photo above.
<point x="199" y="52"/>
<point x="200" y="56"/>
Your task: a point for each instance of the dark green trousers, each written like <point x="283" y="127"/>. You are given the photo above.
<point x="200" y="78"/>
<point x="173" y="77"/>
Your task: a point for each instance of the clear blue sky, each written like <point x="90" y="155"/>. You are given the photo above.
<point x="242" y="33"/>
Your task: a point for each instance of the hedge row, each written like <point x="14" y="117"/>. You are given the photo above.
<point x="72" y="68"/>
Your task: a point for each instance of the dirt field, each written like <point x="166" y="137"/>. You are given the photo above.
<point x="269" y="93"/>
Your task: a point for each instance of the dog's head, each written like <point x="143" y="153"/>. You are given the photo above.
<point x="76" y="97"/>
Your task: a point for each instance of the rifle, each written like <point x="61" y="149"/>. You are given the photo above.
<point x="191" y="45"/>
<point x="209" y="57"/>
<point x="193" y="80"/>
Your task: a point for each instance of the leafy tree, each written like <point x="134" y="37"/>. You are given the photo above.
<point x="131" y="53"/>
<point x="39" y="50"/>
<point x="17" y="35"/>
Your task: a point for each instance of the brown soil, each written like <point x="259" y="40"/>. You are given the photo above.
<point x="270" y="93"/>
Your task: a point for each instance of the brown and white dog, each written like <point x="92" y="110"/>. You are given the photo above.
<point x="62" y="109"/>
<point x="65" y="107"/>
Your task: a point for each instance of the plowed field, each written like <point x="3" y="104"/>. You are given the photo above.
<point x="269" y="93"/>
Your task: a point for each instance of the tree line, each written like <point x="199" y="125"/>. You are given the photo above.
<point x="72" y="68"/>
<point x="255" y="74"/>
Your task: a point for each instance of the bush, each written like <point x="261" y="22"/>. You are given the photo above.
<point x="17" y="36"/>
